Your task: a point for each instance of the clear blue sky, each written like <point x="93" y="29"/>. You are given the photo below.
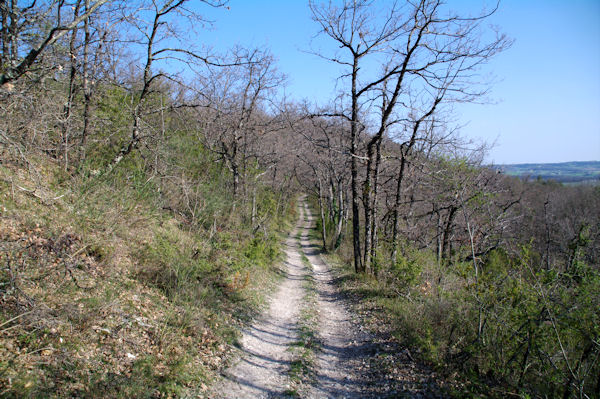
<point x="547" y="97"/>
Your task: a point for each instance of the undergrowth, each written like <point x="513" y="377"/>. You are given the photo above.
<point x="111" y="287"/>
<point x="512" y="329"/>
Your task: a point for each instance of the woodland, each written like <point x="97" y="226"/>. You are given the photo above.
<point x="145" y="186"/>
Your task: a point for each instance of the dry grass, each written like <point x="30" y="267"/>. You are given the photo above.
<point x="83" y="309"/>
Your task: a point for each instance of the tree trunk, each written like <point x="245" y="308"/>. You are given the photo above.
<point x="439" y="233"/>
<point x="358" y="265"/>
<point x="374" y="221"/>
<point x="331" y="201"/>
<point x="323" y="223"/>
<point x="370" y="197"/>
<point x="396" y="221"/>
<point x="72" y="89"/>
<point x="235" y="180"/>
<point x="446" y="233"/>
<point x="340" y="218"/>
<point x="13" y="31"/>
<point x="547" y="226"/>
<point x="4" y="57"/>
<point x="87" y="94"/>
<point x="368" y="205"/>
<point x="253" y="217"/>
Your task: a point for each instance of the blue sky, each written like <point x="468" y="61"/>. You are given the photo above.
<point x="545" y="106"/>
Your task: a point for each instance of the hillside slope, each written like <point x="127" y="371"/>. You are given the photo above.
<point x="107" y="291"/>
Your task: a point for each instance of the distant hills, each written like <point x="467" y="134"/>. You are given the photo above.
<point x="564" y="172"/>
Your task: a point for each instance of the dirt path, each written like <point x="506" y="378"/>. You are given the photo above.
<point x="262" y="371"/>
<point x="346" y="360"/>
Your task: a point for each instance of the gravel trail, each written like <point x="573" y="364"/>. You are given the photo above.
<point x="343" y="362"/>
<point x="262" y="371"/>
<point x="346" y="361"/>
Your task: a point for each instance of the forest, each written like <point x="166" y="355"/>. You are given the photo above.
<point x="146" y="185"/>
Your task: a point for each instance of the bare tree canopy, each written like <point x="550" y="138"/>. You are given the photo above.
<point x="412" y="57"/>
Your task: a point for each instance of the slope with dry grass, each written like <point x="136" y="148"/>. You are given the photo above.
<point x="105" y="291"/>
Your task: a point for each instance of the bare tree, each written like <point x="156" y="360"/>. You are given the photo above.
<point x="72" y="89"/>
<point x="424" y="58"/>
<point x="351" y="26"/>
<point x="157" y="33"/>
<point x="28" y="16"/>
<point x="235" y="114"/>
<point x="324" y="171"/>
